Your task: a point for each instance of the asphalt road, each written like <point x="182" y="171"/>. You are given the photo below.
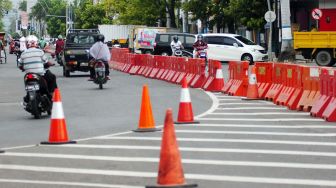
<point x="239" y="144"/>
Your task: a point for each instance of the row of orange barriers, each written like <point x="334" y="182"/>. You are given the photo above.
<point x="303" y="88"/>
<point x="170" y="69"/>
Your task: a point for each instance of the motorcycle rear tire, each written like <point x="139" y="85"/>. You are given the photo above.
<point x="100" y="85"/>
<point x="35" y="110"/>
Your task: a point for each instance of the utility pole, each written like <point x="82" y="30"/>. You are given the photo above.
<point x="269" y="50"/>
<point x="184" y="19"/>
<point x="286" y="29"/>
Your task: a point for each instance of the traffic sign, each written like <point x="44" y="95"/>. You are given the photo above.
<point x="317" y="13"/>
<point x="270" y="16"/>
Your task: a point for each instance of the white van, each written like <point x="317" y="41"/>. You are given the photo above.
<point x="232" y="47"/>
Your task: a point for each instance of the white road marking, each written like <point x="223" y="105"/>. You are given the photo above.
<point x="228" y="99"/>
<point x="244" y="103"/>
<point x="18" y="181"/>
<point x="222" y="178"/>
<point x="259" y="113"/>
<point x="262" y="126"/>
<point x="186" y="161"/>
<point x="253" y="108"/>
<point x="258" y="133"/>
<point x="255" y="141"/>
<point x="262" y="119"/>
<point x="214" y="150"/>
<point x="213" y="107"/>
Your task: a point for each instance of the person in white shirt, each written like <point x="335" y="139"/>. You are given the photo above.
<point x="33" y="60"/>
<point x="23" y="46"/>
<point x="100" y="51"/>
<point x="176" y="44"/>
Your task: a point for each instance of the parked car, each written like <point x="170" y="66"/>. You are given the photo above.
<point x="163" y="40"/>
<point x="232" y="47"/>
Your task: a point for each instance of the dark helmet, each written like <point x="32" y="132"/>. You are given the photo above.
<point x="175" y="38"/>
<point x="199" y="37"/>
<point x="100" y="38"/>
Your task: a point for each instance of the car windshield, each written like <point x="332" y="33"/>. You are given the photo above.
<point x="245" y="40"/>
<point x="81" y="39"/>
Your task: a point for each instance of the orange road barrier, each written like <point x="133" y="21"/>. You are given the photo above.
<point x="327" y="87"/>
<point x="146" y="120"/>
<point x="58" y="131"/>
<point x="156" y="67"/>
<point x="298" y="88"/>
<point x="329" y="113"/>
<point x="252" y="89"/>
<point x="136" y="64"/>
<point x="199" y="69"/>
<point x="311" y="88"/>
<point x="264" y="77"/>
<point x="276" y="86"/>
<point x="185" y="114"/>
<point x="215" y="79"/>
<point x="170" y="167"/>
<point x="289" y="79"/>
<point x="239" y="81"/>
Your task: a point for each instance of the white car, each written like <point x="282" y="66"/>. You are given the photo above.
<point x="232" y="47"/>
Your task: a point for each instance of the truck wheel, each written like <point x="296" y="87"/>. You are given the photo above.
<point x="324" y="58"/>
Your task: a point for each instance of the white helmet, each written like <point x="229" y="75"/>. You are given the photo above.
<point x="32" y="41"/>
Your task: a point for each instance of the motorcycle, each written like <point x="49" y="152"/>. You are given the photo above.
<point x="201" y="53"/>
<point x="36" y="102"/>
<point x="17" y="52"/>
<point x="177" y="51"/>
<point x="59" y="58"/>
<point x="100" y="76"/>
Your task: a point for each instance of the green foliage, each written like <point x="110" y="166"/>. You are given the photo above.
<point x="23" y="5"/>
<point x="55" y="25"/>
<point x="90" y="16"/>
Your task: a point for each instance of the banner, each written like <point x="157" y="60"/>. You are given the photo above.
<point x="285" y="20"/>
<point x="24" y="20"/>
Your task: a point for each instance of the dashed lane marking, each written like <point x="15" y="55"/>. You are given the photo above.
<point x="64" y="183"/>
<point x="263" y="120"/>
<point x="258" y="133"/>
<point x="255" y="141"/>
<point x="185" y="161"/>
<point x="205" y="177"/>
<point x="213" y="150"/>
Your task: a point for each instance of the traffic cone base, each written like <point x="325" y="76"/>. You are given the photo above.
<point x="147" y="130"/>
<point x="58" y="143"/>
<point x="173" y="186"/>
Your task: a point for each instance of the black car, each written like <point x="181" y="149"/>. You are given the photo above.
<point x="76" y="50"/>
<point x="163" y="40"/>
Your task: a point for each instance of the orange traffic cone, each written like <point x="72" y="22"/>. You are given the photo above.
<point x="252" y="89"/>
<point x="146" y="120"/>
<point x="170" y="168"/>
<point x="185" y="114"/>
<point x="58" y="132"/>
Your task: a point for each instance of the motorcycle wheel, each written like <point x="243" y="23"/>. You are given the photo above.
<point x="100" y="85"/>
<point x="35" y="110"/>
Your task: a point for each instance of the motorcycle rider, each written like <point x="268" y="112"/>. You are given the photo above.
<point x="33" y="60"/>
<point x="199" y="45"/>
<point x="59" y="47"/>
<point x="23" y="46"/>
<point x="42" y="43"/>
<point x="175" y="44"/>
<point x="100" y="51"/>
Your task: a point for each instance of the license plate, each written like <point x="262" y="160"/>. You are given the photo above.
<point x="100" y="69"/>
<point x="32" y="87"/>
<point x="84" y="64"/>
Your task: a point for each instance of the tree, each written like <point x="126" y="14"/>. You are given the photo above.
<point x="5" y="6"/>
<point x="52" y="13"/>
<point x="90" y="16"/>
<point x="23" y="5"/>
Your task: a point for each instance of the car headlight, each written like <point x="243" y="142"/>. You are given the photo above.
<point x="68" y="52"/>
